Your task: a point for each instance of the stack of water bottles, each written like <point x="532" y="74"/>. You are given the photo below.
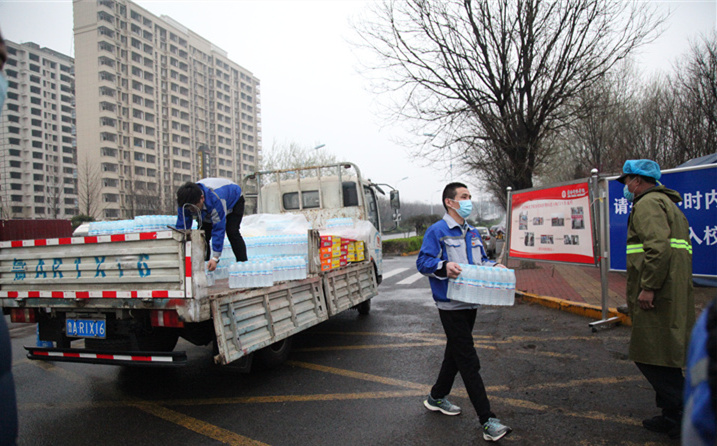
<point x="333" y="223"/>
<point x="141" y="223"/>
<point x="272" y="258"/>
<point x="264" y="272"/>
<point x="277" y="245"/>
<point x="484" y="285"/>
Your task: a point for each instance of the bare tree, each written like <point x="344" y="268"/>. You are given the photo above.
<point x="53" y="195"/>
<point x="293" y="156"/>
<point x="499" y="77"/>
<point x="89" y="183"/>
<point x="695" y="95"/>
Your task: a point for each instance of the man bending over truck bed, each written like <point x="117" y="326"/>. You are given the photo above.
<point x="221" y="205"/>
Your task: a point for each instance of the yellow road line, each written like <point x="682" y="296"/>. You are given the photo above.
<point x="235" y="400"/>
<point x="360" y="375"/>
<point x="201" y="427"/>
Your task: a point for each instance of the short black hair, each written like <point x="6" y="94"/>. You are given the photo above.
<point x="450" y="192"/>
<point x="189" y="193"/>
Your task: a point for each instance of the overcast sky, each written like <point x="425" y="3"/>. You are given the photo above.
<point x="311" y="92"/>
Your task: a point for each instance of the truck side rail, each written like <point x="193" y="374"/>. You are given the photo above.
<point x="137" y="265"/>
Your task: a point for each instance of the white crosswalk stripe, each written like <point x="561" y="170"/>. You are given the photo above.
<point x="393" y="272"/>
<point x="410" y="279"/>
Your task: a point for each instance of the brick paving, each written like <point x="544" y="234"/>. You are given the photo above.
<point x="569" y="282"/>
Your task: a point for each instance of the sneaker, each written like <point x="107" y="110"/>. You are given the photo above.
<point x="494" y="430"/>
<point x="660" y="424"/>
<point x="444" y="406"/>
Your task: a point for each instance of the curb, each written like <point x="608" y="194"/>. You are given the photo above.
<point x="581" y="309"/>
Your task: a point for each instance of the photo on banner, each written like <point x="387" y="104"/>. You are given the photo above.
<point x="553" y="224"/>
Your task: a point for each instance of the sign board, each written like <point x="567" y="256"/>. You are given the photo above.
<point x="698" y="187"/>
<point x="553" y="224"/>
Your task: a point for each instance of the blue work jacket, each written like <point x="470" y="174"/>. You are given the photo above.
<point x="220" y="196"/>
<point x="447" y="241"/>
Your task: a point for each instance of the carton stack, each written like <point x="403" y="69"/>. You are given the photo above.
<point x="333" y="252"/>
<point x="356" y="251"/>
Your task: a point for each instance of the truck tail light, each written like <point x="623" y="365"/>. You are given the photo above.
<point x="23" y="315"/>
<point x="165" y="318"/>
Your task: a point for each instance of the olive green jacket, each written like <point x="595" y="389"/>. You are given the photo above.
<point x="659" y="258"/>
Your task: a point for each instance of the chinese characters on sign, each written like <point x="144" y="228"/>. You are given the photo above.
<point x="699" y="204"/>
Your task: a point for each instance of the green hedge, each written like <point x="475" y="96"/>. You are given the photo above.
<point x="402" y="245"/>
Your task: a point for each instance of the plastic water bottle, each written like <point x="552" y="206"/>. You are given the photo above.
<point x="511" y="287"/>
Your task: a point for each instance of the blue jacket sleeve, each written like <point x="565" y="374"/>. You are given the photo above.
<point x="429" y="258"/>
<point x="184" y="219"/>
<point x="219" y="223"/>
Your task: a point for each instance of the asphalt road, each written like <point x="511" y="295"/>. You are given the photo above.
<point x="355" y="380"/>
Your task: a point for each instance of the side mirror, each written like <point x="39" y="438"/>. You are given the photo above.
<point x="395" y="201"/>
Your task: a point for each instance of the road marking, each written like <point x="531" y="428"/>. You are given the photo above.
<point x="393" y="272"/>
<point x="410" y="279"/>
<point x="193" y="424"/>
<point x="360" y="375"/>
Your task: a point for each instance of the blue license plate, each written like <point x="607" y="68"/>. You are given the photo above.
<point x="85" y="328"/>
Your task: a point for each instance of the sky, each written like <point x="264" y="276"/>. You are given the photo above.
<point x="312" y="91"/>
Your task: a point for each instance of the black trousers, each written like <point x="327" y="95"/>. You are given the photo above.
<point x="234" y="216"/>
<point x="461" y="357"/>
<point x="668" y="383"/>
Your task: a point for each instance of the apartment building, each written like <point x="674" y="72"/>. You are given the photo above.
<point x="37" y="135"/>
<point x="157" y="105"/>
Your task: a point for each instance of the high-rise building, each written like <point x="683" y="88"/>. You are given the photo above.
<point x="37" y="135"/>
<point x="157" y="105"/>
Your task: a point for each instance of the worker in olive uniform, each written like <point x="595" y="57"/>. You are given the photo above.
<point x="659" y="288"/>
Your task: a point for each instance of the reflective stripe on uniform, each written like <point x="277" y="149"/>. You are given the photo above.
<point x="634" y="249"/>
<point x="674" y="243"/>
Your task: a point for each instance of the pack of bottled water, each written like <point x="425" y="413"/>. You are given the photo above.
<point x="141" y="223"/>
<point x="485" y="285"/>
<point x="265" y="272"/>
<point x="339" y="222"/>
<point x="153" y="223"/>
<point x="277" y="245"/>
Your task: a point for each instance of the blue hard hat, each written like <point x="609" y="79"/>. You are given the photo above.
<point x="645" y="168"/>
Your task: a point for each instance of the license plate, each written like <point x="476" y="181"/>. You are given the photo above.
<point x="86" y="328"/>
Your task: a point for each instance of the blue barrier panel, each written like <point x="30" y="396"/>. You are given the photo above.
<point x="698" y="187"/>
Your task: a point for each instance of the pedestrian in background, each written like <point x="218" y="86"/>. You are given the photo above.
<point x="219" y="204"/>
<point x="8" y="403"/>
<point x="659" y="288"/>
<point x="447" y="243"/>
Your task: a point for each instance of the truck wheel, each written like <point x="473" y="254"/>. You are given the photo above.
<point x="275" y="354"/>
<point x="364" y="307"/>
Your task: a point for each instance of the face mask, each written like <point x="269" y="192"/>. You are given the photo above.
<point x="465" y="209"/>
<point x="3" y="91"/>
<point x="629" y="196"/>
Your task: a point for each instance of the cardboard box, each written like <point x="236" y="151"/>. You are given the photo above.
<point x="327" y="241"/>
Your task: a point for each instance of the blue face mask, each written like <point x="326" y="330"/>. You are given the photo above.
<point x="3" y="91"/>
<point x="627" y="194"/>
<point x="465" y="209"/>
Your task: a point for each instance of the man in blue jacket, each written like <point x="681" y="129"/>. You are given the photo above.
<point x="221" y="205"/>
<point x="447" y="243"/>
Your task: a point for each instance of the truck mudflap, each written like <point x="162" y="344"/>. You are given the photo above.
<point x="246" y="321"/>
<point x="348" y="287"/>
<point x="144" y="359"/>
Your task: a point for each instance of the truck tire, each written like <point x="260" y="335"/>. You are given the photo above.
<point x="275" y="354"/>
<point x="364" y="307"/>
